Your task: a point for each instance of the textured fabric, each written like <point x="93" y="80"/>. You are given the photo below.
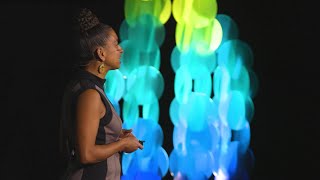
<point x="109" y="129"/>
<point x="113" y="131"/>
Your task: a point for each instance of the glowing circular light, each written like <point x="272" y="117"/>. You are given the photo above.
<point x="144" y="82"/>
<point x="197" y="13"/>
<point x="163" y="161"/>
<point x="151" y="58"/>
<point x="235" y="51"/>
<point x="243" y="136"/>
<point x="229" y="27"/>
<point x="232" y="110"/>
<point x="179" y="139"/>
<point x="240" y="80"/>
<point x="228" y="160"/>
<point x="221" y="83"/>
<point x="183" y="81"/>
<point x="130" y="113"/>
<point x="173" y="112"/>
<point x="127" y="163"/>
<point x="130" y="58"/>
<point x="123" y="30"/>
<point x="115" y="85"/>
<point x="207" y="39"/>
<point x="145" y="175"/>
<point x="197" y="164"/>
<point x="254" y="83"/>
<point x="174" y="162"/>
<point x="196" y="111"/>
<point x="147" y="33"/>
<point x="249" y="109"/>
<point x="151" y="111"/>
<point x="160" y="9"/>
<point x="175" y="59"/>
<point x="149" y="131"/>
<point x="202" y="79"/>
<point x="196" y="60"/>
<point x="182" y="84"/>
<point x="183" y="36"/>
<point x="207" y="138"/>
<point x="192" y="59"/>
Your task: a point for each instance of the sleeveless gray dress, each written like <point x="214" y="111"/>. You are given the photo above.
<point x="109" y="130"/>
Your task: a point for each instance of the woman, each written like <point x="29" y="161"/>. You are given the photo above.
<point x="92" y="134"/>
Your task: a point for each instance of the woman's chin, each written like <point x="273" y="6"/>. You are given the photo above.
<point x="118" y="65"/>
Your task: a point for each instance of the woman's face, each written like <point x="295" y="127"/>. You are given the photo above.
<point x="113" y="51"/>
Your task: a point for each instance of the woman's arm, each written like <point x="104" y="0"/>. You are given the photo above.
<point x="88" y="113"/>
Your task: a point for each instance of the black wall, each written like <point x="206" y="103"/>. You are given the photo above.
<point x="35" y="56"/>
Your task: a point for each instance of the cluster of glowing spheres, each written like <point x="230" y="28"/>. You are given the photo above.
<point x="151" y="162"/>
<point x="142" y="33"/>
<point x="139" y="83"/>
<point x="214" y="86"/>
<point x="197" y="27"/>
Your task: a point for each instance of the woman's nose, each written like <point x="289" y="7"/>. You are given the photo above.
<point x="120" y="49"/>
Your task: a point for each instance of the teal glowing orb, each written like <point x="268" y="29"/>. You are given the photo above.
<point x="235" y="51"/>
<point x="145" y="82"/>
<point x="221" y="83"/>
<point x="183" y="81"/>
<point x="193" y="60"/>
<point x="115" y="84"/>
<point x="232" y="110"/>
<point x="130" y="59"/>
<point x="229" y="27"/>
<point x="151" y="133"/>
<point x="130" y="113"/>
<point x="147" y="33"/>
<point x="196" y="111"/>
<point x="174" y="112"/>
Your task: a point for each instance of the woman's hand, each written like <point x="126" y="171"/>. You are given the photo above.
<point x="131" y="144"/>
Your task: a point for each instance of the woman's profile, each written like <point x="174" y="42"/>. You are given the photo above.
<point x="91" y="131"/>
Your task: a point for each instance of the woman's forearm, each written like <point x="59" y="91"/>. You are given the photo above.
<point x="98" y="153"/>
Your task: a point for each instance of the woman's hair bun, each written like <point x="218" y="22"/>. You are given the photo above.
<point x="87" y="20"/>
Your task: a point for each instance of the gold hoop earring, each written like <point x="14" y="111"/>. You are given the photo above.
<point x="101" y="68"/>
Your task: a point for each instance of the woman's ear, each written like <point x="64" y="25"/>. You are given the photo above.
<point x="101" y="55"/>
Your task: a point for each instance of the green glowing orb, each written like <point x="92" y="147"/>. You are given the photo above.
<point x="204" y="40"/>
<point x="183" y="37"/>
<point x="160" y="9"/>
<point x="207" y="39"/>
<point x="197" y="13"/>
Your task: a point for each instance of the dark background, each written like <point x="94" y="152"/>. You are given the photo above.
<point x="35" y="57"/>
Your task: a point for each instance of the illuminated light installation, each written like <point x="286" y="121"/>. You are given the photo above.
<point x="211" y="131"/>
<point x="139" y="82"/>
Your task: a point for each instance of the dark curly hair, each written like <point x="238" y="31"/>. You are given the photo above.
<point x="92" y="32"/>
